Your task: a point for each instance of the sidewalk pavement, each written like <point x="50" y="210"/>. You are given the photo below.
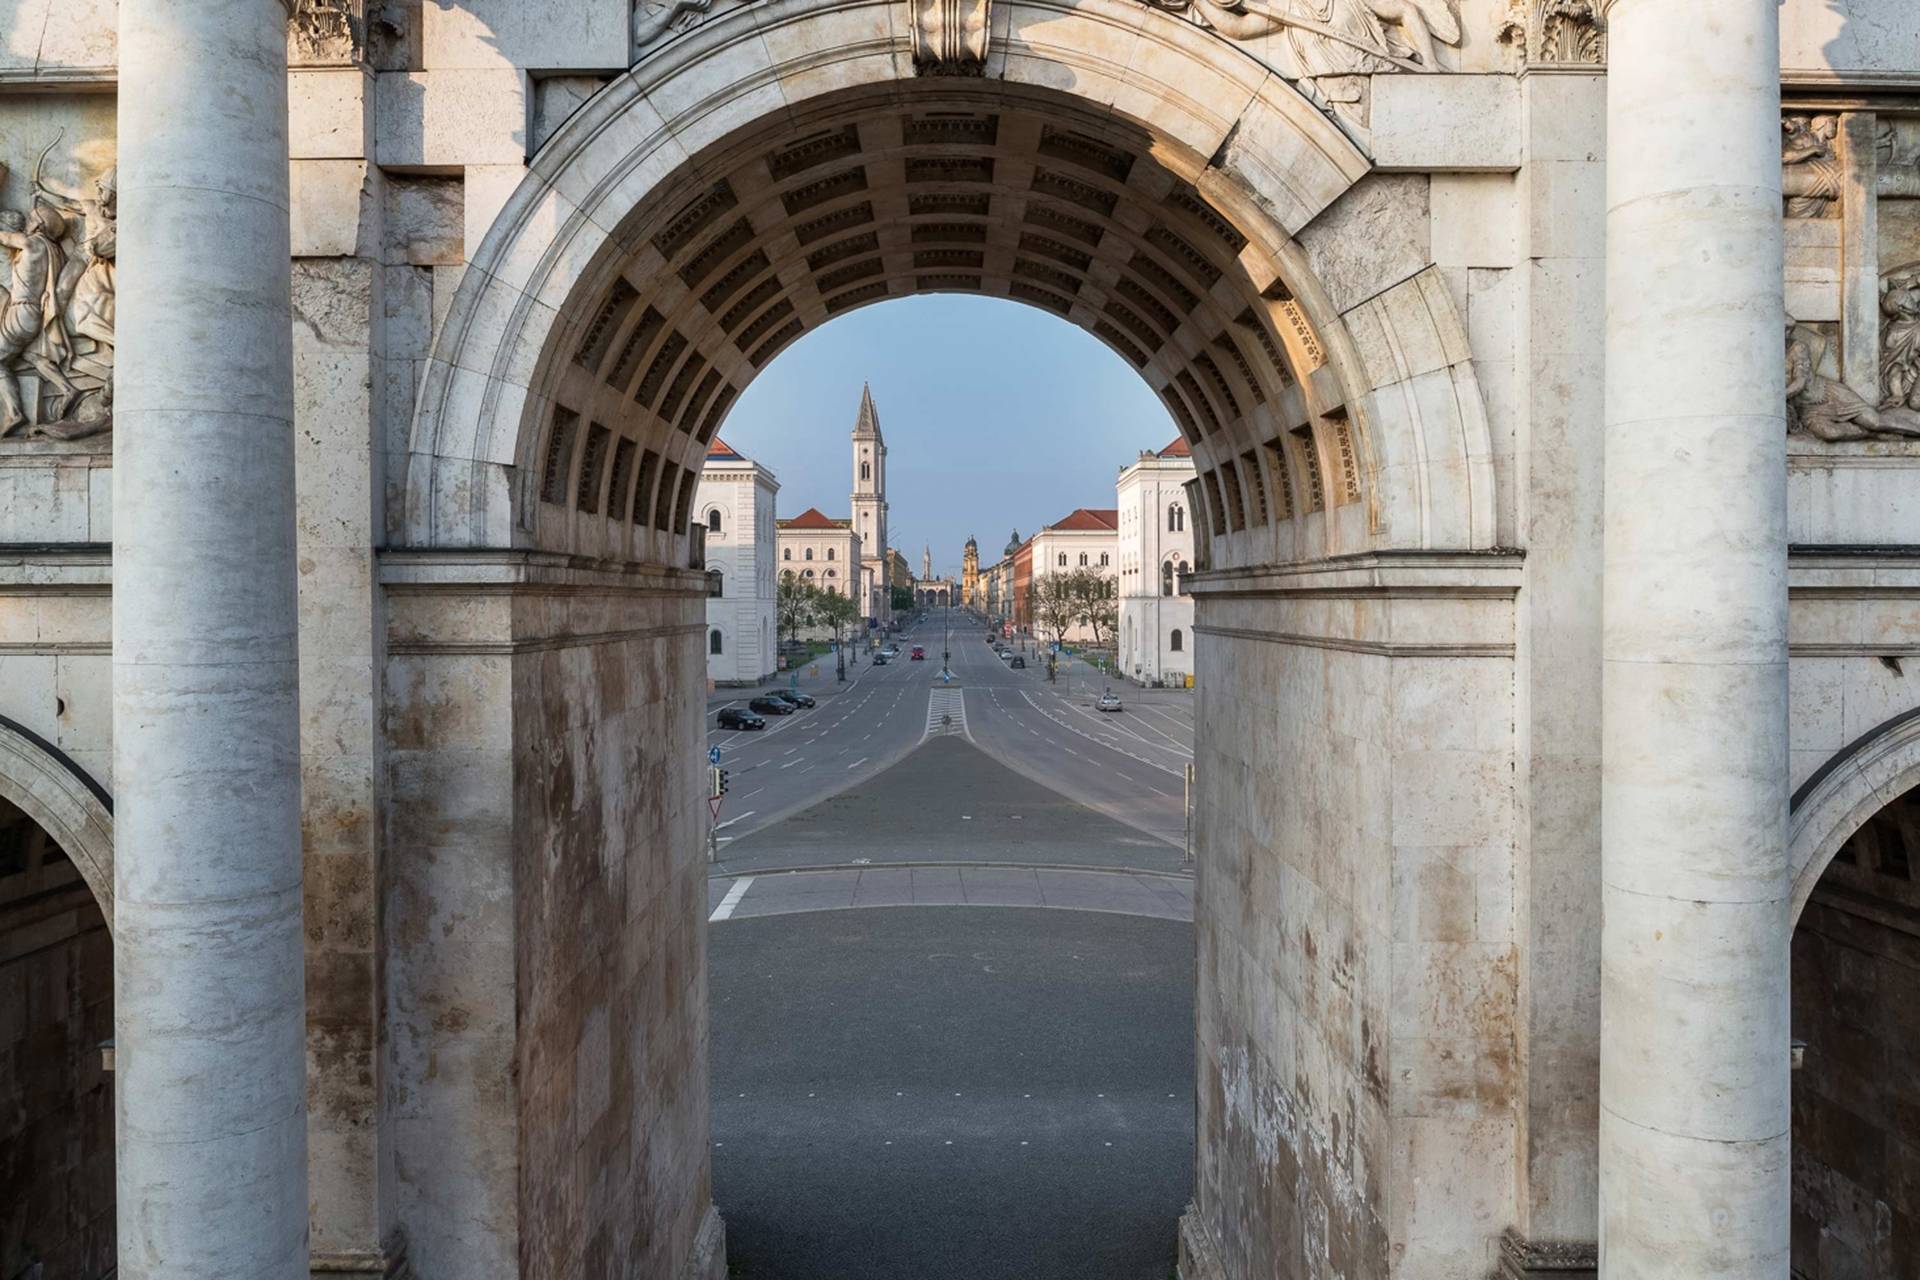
<point x="815" y="676"/>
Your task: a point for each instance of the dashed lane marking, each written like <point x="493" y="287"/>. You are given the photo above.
<point x="732" y="900"/>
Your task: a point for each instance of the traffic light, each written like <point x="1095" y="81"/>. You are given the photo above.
<point x="719" y="781"/>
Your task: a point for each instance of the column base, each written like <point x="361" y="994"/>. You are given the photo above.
<point x="708" y="1261"/>
<point x="1199" y="1253"/>
<point x="388" y="1262"/>
<point x="1523" y="1259"/>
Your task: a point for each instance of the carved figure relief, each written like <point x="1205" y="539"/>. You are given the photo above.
<point x="1811" y="174"/>
<point x="1900" y="338"/>
<point x="56" y="328"/>
<point x="654" y="20"/>
<point x="1336" y="42"/>
<point x="1827" y="408"/>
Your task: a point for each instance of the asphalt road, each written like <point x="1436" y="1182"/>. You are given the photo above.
<point x="1128" y="766"/>
<point x="952" y="1093"/>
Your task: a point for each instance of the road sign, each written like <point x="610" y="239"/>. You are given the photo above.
<point x="713" y="755"/>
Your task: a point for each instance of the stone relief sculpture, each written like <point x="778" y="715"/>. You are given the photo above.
<point x="653" y="19"/>
<point x="1334" y="43"/>
<point x="1828" y="409"/>
<point x="1563" y="32"/>
<point x="325" y="31"/>
<point x="1900" y="337"/>
<point x="1811" y="174"/>
<point x="56" y="329"/>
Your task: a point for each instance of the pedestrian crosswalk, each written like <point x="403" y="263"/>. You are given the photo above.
<point x="946" y="713"/>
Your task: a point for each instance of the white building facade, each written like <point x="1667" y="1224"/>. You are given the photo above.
<point x="1086" y="538"/>
<point x="735" y="501"/>
<point x="870" y="507"/>
<point x="1156" y="556"/>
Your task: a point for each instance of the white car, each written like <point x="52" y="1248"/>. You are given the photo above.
<point x="1109" y="701"/>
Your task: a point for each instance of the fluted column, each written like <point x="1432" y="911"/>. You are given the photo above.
<point x="1694" y="998"/>
<point x="209" y="992"/>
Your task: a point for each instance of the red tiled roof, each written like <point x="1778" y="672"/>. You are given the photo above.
<point x="1178" y="449"/>
<point x="813" y="518"/>
<point x="721" y="449"/>
<point x="1088" y="520"/>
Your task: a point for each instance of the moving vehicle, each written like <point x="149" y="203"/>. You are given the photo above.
<point x="772" y="706"/>
<point x="1109" y="701"/>
<point x="1018" y="664"/>
<point x="880" y="658"/>
<point x="797" y="699"/>
<point x="740" y="718"/>
<point x="919" y="654"/>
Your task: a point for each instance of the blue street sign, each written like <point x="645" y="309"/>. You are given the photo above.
<point x="713" y="755"/>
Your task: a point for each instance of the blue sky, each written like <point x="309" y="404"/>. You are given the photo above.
<point x="997" y="416"/>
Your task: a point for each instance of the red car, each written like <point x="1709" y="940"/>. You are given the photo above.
<point x="919" y="654"/>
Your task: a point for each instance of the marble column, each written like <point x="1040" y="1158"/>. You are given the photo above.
<point x="209" y="992"/>
<point x="1694" y="1003"/>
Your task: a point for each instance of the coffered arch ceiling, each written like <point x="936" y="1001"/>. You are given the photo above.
<point x="611" y="376"/>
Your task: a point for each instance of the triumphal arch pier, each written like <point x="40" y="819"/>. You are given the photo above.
<point x="1552" y="371"/>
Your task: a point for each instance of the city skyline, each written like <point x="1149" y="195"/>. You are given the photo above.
<point x="949" y="431"/>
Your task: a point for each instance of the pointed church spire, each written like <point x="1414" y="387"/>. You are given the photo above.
<point x="868" y="421"/>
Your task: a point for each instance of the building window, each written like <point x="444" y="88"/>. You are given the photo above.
<point x="1166" y="578"/>
<point x="1185" y="569"/>
<point x="1083" y="559"/>
<point x="786" y="553"/>
<point x="1174" y="643"/>
<point x="716" y="646"/>
<point x="1176" y="518"/>
<point x="1103" y="560"/>
<point x="829" y="553"/>
<point x="808" y="575"/>
<point x="713" y="520"/>
<point x="1063" y="559"/>
<point x="831" y="574"/>
<point x="866" y="471"/>
<point x="809" y="553"/>
<point x="716" y="585"/>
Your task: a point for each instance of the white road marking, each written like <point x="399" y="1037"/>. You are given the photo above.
<point x="730" y="821"/>
<point x="856" y="764"/>
<point x="732" y="900"/>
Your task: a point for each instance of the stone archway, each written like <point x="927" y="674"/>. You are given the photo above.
<point x="56" y="977"/>
<point x="1115" y="165"/>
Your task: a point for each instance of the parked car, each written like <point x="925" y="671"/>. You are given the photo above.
<point x="919" y="654"/>
<point x="1018" y="664"/>
<point x="797" y="699"/>
<point x="1109" y="701"/>
<point x="740" y="718"/>
<point x="1007" y="654"/>
<point x="772" y="706"/>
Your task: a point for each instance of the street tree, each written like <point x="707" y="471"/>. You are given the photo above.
<point x="1096" y="603"/>
<point x="1051" y="604"/>
<point x="795" y="604"/>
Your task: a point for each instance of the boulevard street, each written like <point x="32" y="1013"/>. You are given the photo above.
<point x="1127" y="765"/>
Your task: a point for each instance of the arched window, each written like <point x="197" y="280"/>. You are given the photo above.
<point x="713" y="520"/>
<point x="829" y="553"/>
<point x="1185" y="569"/>
<point x="1063" y="559"/>
<point x="716" y="585"/>
<point x="715" y="645"/>
<point x="1104" y="561"/>
<point x="1174" y="642"/>
<point x="809" y="553"/>
<point x="1083" y="559"/>
<point x="1166" y="578"/>
<point x="786" y="553"/>
<point x="1176" y="518"/>
<point x="866" y="471"/>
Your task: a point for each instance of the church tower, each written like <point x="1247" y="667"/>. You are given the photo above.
<point x="926" y="562"/>
<point x="970" y="575"/>
<point x="870" y="504"/>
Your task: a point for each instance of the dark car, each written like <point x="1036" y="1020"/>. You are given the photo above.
<point x="1018" y="664"/>
<point x="736" y="718"/>
<point x="788" y="695"/>
<point x="771" y="706"/>
<point x="880" y="659"/>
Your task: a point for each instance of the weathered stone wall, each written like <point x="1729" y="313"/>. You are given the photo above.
<point x="610" y="878"/>
<point x="1358" y="1092"/>
<point x="1856" y="1004"/>
<point x="546" y="946"/>
<point x="56" y="1100"/>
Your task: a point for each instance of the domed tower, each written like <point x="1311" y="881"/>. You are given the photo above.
<point x="970" y="575"/>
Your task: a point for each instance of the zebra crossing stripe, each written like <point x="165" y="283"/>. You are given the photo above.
<point x="946" y="713"/>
